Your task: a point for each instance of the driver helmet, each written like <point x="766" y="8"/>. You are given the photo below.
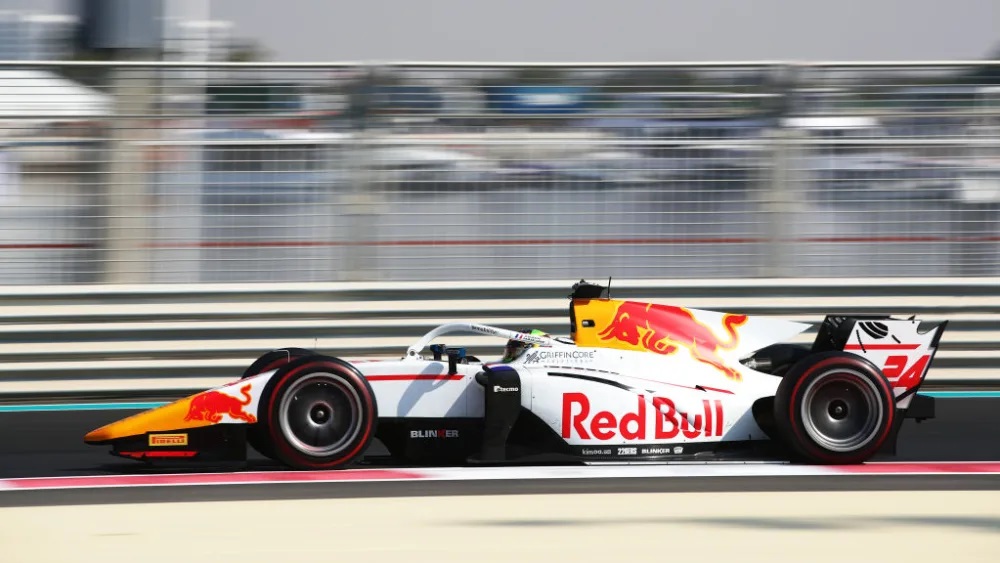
<point x="515" y="348"/>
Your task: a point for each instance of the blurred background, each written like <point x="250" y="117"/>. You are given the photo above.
<point x="195" y="141"/>
<point x="187" y="184"/>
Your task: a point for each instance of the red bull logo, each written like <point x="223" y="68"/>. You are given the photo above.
<point x="212" y="405"/>
<point x="664" y="329"/>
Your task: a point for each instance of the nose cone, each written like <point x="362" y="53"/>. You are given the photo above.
<point x="165" y="418"/>
<point x="103" y="434"/>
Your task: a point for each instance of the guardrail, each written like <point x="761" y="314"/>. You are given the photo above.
<point x="158" y="340"/>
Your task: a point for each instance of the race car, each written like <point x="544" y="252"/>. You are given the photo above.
<point x="633" y="381"/>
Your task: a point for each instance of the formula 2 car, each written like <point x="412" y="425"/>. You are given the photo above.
<point x="632" y="381"/>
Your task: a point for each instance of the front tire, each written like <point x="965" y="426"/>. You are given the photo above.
<point x="320" y="412"/>
<point x="834" y="408"/>
<point x="257" y="433"/>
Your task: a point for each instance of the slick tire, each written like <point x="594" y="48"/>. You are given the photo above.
<point x="834" y="408"/>
<point x="257" y="433"/>
<point x="320" y="413"/>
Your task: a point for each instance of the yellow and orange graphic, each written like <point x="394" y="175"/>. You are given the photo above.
<point x="663" y="329"/>
<point x="202" y="409"/>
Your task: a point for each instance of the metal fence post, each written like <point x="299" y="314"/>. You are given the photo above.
<point x="127" y="193"/>
<point x="360" y="201"/>
<point x="776" y="195"/>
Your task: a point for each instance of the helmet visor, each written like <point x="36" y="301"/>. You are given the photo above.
<point x="514" y="349"/>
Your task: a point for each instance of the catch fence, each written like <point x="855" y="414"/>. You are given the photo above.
<point x="161" y="172"/>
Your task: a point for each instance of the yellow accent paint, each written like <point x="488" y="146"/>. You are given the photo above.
<point x="162" y="419"/>
<point x="601" y="312"/>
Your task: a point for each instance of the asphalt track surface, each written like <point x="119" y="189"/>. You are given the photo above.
<point x="49" y="444"/>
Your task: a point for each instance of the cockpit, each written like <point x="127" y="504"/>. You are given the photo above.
<point x="516" y="348"/>
<point x="519" y="341"/>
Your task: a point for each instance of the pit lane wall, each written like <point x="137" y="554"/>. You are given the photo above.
<point x="162" y="339"/>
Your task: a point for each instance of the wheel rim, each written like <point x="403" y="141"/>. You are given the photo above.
<point x="320" y="414"/>
<point x="841" y="410"/>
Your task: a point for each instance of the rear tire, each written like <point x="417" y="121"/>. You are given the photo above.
<point x="257" y="433"/>
<point x="834" y="408"/>
<point x="320" y="413"/>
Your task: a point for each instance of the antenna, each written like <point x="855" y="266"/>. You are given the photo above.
<point x="609" y="287"/>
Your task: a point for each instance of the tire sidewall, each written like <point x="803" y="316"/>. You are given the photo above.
<point x="284" y="378"/>
<point x="788" y="406"/>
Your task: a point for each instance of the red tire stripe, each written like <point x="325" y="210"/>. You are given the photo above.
<point x="362" y="389"/>
<point x="794" y="421"/>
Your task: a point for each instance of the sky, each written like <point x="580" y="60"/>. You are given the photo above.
<point x="603" y="30"/>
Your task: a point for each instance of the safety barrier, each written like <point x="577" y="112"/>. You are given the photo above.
<point x="161" y="340"/>
<point x="176" y="171"/>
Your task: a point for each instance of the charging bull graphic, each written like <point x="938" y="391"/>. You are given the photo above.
<point x="211" y="405"/>
<point x="664" y="329"/>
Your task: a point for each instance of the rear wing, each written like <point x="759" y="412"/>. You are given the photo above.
<point x="902" y="348"/>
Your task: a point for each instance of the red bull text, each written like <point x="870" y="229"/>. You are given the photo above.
<point x="661" y="421"/>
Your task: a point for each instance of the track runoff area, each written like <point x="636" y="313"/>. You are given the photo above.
<point x="938" y="499"/>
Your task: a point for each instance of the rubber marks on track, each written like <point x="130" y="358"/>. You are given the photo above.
<point x="509" y="473"/>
